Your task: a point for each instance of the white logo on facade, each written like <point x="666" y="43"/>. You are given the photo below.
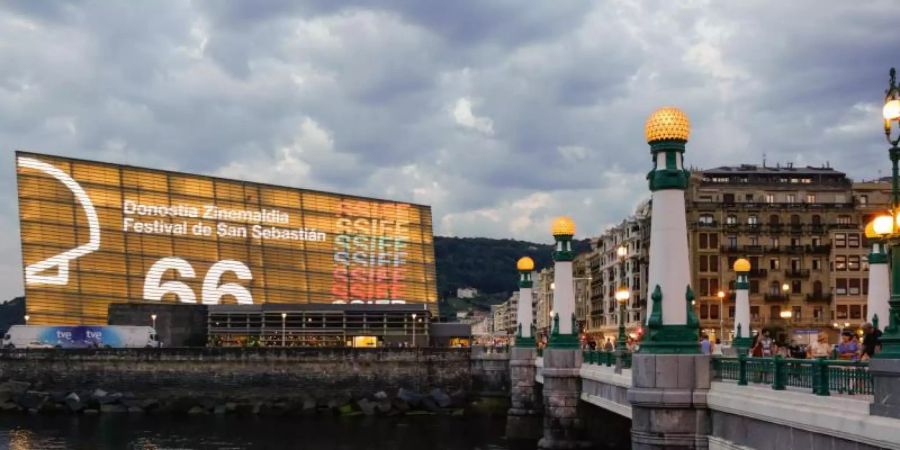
<point x="61" y="261"/>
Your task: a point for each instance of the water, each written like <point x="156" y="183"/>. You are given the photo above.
<point x="156" y="433"/>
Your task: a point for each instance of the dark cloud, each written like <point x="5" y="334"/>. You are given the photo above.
<point x="500" y="115"/>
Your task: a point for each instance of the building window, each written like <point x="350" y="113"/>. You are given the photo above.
<point x="817" y="264"/>
<point x="841" y="312"/>
<point x="840" y="286"/>
<point x="732" y="241"/>
<point x="773" y="219"/>
<point x="816" y="219"/>
<point x="816" y="242"/>
<point x="774" y="311"/>
<point x="791" y="198"/>
<point x="863" y="199"/>
<point x="731" y="312"/>
<point x="840" y="198"/>
<point x="713" y="241"/>
<point x="854" y="288"/>
<point x="775" y="242"/>
<point x="840" y="262"/>
<point x="754" y="240"/>
<point x="754" y="312"/>
<point x="856" y="311"/>
<point x="796" y="287"/>
<point x="817" y="288"/>
<point x="704" y="240"/>
<point x="843" y="220"/>
<point x="704" y="264"/>
<point x="795" y="219"/>
<point x="714" y="311"/>
<point x="865" y="286"/>
<point x="704" y="311"/>
<point x="853" y="240"/>
<point x="774" y="264"/>
<point x="840" y="240"/>
<point x="753" y="220"/>
<point x="810" y="198"/>
<point x="706" y="219"/>
<point x="853" y="262"/>
<point x="770" y="198"/>
<point x="797" y="312"/>
<point x="818" y="313"/>
<point x="774" y="288"/>
<point x="754" y="286"/>
<point x="731" y="220"/>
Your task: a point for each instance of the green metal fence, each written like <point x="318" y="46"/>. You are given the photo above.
<point x="605" y="358"/>
<point x="821" y="376"/>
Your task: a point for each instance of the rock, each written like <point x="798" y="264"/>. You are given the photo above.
<point x="135" y="410"/>
<point x="309" y="406"/>
<point x="384" y="406"/>
<point x="112" y="408"/>
<point x="380" y="395"/>
<point x="459" y="397"/>
<point x="91" y="411"/>
<point x="410" y="397"/>
<point x="15" y="387"/>
<point x="367" y="407"/>
<point x="197" y="411"/>
<point x="219" y="410"/>
<point x="9" y="406"/>
<point x="32" y="399"/>
<point x="6" y="396"/>
<point x="400" y="405"/>
<point x="230" y="407"/>
<point x="73" y="402"/>
<point x="111" y="398"/>
<point x="149" y="404"/>
<point x="59" y="396"/>
<point x="428" y="404"/>
<point x="345" y="410"/>
<point x="99" y="393"/>
<point x="443" y="400"/>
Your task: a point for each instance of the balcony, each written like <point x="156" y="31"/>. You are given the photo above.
<point x="796" y="228"/>
<point x="818" y="297"/>
<point x="708" y="224"/>
<point x="817" y="228"/>
<point x="776" y="297"/>
<point x="819" y="249"/>
<point x="796" y="273"/>
<point x="758" y="273"/>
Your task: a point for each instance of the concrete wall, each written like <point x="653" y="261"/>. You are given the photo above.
<point x="490" y="373"/>
<point x="256" y="373"/>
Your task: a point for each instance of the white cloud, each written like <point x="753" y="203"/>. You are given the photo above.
<point x="462" y="114"/>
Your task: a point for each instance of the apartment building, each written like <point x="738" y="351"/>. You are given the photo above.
<point x="608" y="271"/>
<point x="801" y="229"/>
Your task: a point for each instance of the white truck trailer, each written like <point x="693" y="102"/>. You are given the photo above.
<point x="80" y="336"/>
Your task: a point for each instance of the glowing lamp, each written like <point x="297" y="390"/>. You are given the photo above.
<point x="742" y="265"/>
<point x="622" y="295"/>
<point x="883" y="225"/>
<point x="891" y="110"/>
<point x="525" y="264"/>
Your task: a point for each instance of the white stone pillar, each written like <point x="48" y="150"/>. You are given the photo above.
<point x="669" y="259"/>
<point x="563" y="295"/>
<point x="879" y="286"/>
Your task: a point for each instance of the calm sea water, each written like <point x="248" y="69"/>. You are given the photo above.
<point x="152" y="432"/>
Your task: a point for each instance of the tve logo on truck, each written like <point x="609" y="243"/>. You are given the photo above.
<point x="24" y="336"/>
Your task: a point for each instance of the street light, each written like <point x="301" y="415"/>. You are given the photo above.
<point x="414" y="330"/>
<point x="785" y="287"/>
<point x="283" y="324"/>
<point x="622" y="295"/>
<point x="622" y="252"/>
<point x="721" y="295"/>
<point x="26" y="319"/>
<point x="786" y="315"/>
<point x="153" y="320"/>
<point x="886" y="226"/>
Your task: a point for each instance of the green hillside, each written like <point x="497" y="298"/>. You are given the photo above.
<point x="487" y="264"/>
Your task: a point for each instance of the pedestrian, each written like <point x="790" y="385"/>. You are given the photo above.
<point x="871" y="341"/>
<point x="717" y="347"/>
<point x="705" y="345"/>
<point x="609" y="345"/>
<point x="848" y="348"/>
<point x="768" y="345"/>
<point x="821" y="349"/>
<point x="592" y="344"/>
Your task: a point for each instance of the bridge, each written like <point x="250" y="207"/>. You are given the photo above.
<point x="757" y="403"/>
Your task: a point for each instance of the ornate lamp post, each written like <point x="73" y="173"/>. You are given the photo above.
<point x="622" y="295"/>
<point x="153" y="320"/>
<point x="283" y="328"/>
<point x="887" y="227"/>
<point x="721" y="295"/>
<point x="672" y="325"/>
<point x="879" y="286"/>
<point x="524" y="331"/>
<point x="414" y="330"/>
<point x="563" y="333"/>
<point x="742" y="333"/>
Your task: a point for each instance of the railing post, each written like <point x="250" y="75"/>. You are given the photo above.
<point x="821" y="375"/>
<point x="742" y="369"/>
<point x="778" y="374"/>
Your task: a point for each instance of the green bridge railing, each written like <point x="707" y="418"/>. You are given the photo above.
<point x="605" y="358"/>
<point x="822" y="376"/>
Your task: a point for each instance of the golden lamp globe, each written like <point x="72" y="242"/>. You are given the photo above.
<point x="525" y="264"/>
<point x="668" y="123"/>
<point x="563" y="226"/>
<point x="742" y="265"/>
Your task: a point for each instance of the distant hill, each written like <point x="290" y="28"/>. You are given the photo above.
<point x="12" y="313"/>
<point x="487" y="264"/>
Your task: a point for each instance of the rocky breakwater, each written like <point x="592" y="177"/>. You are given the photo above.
<point x="18" y="397"/>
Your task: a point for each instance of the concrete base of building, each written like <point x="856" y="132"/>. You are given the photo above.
<point x="523" y="420"/>
<point x="562" y="392"/>
<point x="668" y="401"/>
<point x="886" y="379"/>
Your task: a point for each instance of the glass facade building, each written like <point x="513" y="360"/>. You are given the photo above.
<point x="97" y="233"/>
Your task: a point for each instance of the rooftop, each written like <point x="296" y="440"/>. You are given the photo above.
<point x="753" y="169"/>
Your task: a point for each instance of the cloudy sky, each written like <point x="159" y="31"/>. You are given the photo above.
<point x="499" y="114"/>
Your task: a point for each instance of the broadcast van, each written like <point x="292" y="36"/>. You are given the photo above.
<point x="81" y="336"/>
